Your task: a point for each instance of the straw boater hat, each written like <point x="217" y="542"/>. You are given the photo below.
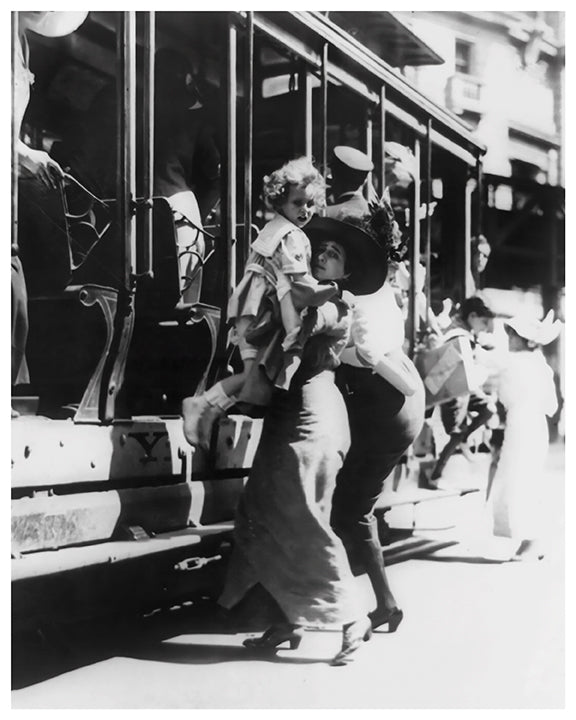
<point x="55" y="23"/>
<point x="365" y="259"/>
<point x="539" y="332"/>
<point x="397" y="153"/>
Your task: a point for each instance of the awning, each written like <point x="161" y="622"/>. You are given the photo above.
<point x="387" y="36"/>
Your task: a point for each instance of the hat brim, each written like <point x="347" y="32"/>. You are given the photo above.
<point x="367" y="258"/>
<point x="57" y="23"/>
<point x="535" y="331"/>
<point x="352" y="159"/>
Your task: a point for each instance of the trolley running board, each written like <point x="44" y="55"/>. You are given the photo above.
<point x="45" y="563"/>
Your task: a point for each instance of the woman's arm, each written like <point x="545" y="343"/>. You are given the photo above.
<point x="394" y="366"/>
<point x="38" y="164"/>
<point x="399" y="371"/>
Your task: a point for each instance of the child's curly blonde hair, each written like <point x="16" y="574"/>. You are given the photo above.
<point x="298" y="173"/>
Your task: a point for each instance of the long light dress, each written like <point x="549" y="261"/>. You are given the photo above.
<point x="526" y="389"/>
<point x="283" y="538"/>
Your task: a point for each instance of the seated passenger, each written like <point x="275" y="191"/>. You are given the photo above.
<point x="186" y="158"/>
<point x="31" y="163"/>
<point x="399" y="168"/>
<point x="480" y="254"/>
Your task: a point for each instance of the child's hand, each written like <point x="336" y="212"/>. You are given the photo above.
<point x="348" y="298"/>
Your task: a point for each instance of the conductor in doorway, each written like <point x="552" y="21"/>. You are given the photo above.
<point x="350" y="169"/>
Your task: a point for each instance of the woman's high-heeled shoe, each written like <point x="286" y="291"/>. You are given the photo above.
<point x="354" y="635"/>
<point x="528" y="551"/>
<point x="275" y="636"/>
<point x="392" y="618"/>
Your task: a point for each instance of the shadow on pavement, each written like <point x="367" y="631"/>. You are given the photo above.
<point x="53" y="649"/>
<point x="475" y="559"/>
<point x="193" y="654"/>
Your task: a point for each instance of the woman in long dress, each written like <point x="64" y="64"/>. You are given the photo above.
<point x="283" y="537"/>
<point x="527" y="391"/>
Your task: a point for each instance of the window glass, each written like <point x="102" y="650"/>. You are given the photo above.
<point x="463" y="57"/>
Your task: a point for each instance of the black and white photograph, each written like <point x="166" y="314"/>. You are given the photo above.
<point x="288" y="371"/>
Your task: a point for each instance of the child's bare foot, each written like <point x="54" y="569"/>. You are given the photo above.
<point x="192" y="410"/>
<point x="209" y="416"/>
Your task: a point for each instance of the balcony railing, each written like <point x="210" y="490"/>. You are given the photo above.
<point x="464" y="94"/>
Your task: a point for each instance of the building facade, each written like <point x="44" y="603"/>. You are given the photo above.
<point x="503" y="74"/>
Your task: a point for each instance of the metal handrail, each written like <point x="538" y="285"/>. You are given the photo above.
<point x="148" y="141"/>
<point x="15" y="132"/>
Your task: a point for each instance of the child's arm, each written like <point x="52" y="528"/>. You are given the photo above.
<point x="293" y="259"/>
<point x="326" y="318"/>
<point x="308" y="292"/>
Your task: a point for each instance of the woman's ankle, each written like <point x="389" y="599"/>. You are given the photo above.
<point x="385" y="607"/>
<point x="528" y="547"/>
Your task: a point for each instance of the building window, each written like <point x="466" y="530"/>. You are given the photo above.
<point x="464" y="57"/>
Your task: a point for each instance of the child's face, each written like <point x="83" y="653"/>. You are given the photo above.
<point x="478" y="323"/>
<point x="329" y="261"/>
<point x="299" y="205"/>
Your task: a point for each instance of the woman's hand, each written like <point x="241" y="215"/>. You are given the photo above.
<point x="348" y="298"/>
<point x="38" y="164"/>
<point x="399" y="371"/>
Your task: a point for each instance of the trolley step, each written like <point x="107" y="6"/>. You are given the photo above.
<point x="48" y="562"/>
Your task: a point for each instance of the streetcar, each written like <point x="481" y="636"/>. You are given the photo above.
<point x="110" y="506"/>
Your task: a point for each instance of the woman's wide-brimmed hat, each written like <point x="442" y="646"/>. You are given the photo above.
<point x="540" y="332"/>
<point x="366" y="261"/>
<point x="55" y="23"/>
